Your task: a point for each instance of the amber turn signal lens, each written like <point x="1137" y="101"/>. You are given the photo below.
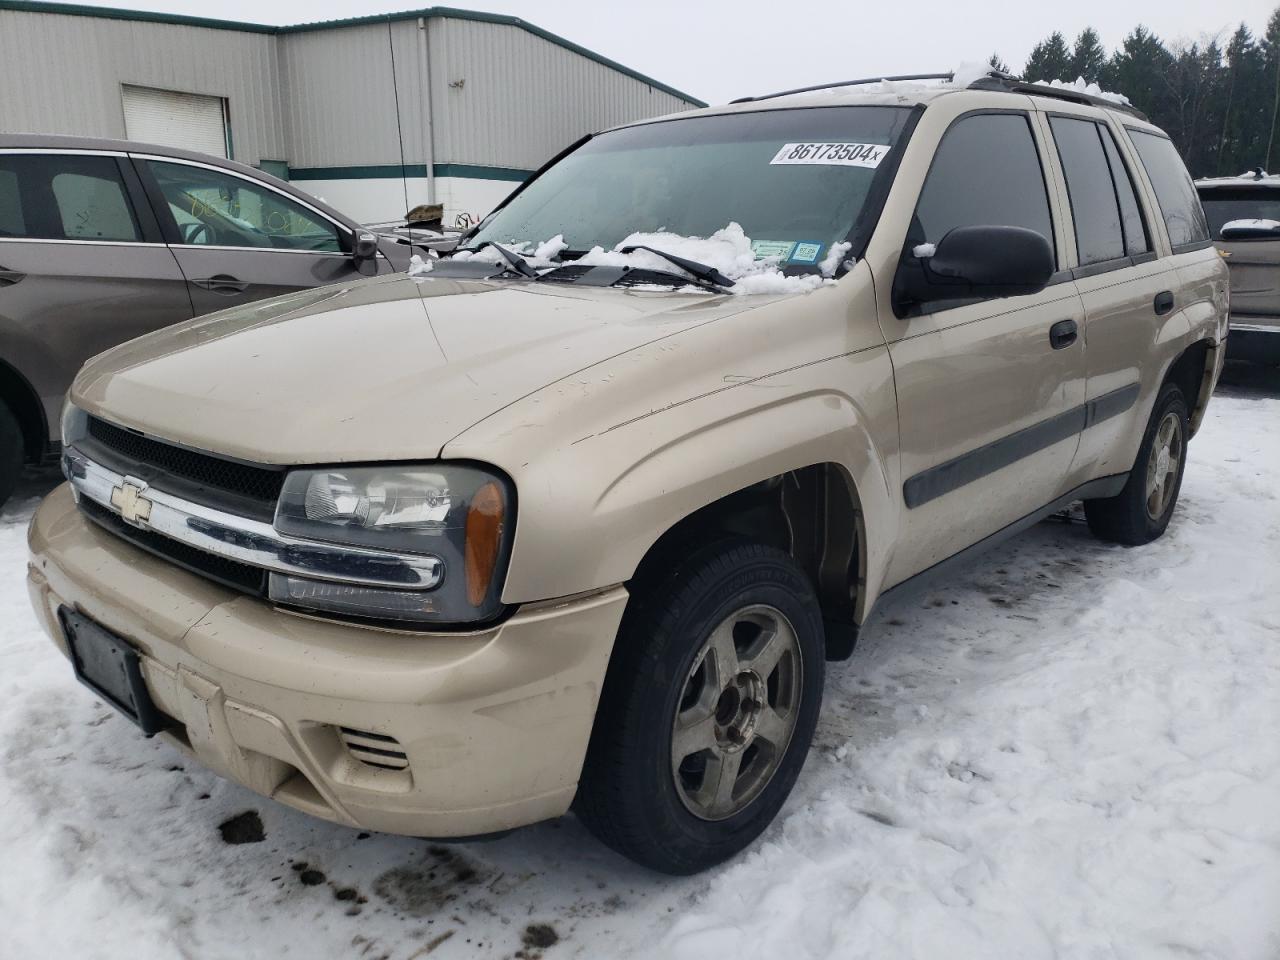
<point x="484" y="540"/>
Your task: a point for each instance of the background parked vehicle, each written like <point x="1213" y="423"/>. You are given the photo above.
<point x="104" y="240"/>
<point x="1244" y="221"/>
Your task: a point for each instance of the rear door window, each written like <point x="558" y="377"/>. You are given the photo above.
<point x="65" y="197"/>
<point x="1095" y="208"/>
<point x="1176" y="194"/>
<point x="12" y="223"/>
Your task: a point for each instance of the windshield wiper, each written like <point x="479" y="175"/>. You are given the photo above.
<point x="518" y="263"/>
<point x="702" y="271"/>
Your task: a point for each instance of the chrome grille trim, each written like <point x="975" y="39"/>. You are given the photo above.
<point x="250" y="541"/>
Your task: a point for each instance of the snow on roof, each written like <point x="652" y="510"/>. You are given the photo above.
<point x="1081" y="86"/>
<point x="1250" y="178"/>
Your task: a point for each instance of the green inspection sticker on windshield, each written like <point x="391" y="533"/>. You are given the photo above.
<point x="779" y="249"/>
<point x="806" y="253"/>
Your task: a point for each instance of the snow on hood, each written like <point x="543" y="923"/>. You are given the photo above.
<point x="728" y="250"/>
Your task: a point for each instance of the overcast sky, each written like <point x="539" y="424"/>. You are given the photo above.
<point x="718" y="49"/>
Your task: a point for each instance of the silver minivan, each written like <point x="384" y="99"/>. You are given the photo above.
<point x="104" y="240"/>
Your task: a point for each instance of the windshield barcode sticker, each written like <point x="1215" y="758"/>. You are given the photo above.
<point x="835" y="154"/>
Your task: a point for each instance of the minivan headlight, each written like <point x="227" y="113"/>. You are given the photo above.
<point x="460" y="514"/>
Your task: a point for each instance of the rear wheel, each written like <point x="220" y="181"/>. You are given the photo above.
<point x="1142" y="510"/>
<point x="11" y="452"/>
<point x="708" y="709"/>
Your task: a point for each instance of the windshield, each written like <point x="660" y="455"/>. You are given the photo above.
<point x="795" y="180"/>
<point x="1250" y="203"/>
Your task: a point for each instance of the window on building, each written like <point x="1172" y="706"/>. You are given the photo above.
<point x="217" y="209"/>
<point x="1176" y="194"/>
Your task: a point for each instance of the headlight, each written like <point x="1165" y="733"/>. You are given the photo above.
<point x="461" y="515"/>
<point x="74" y="426"/>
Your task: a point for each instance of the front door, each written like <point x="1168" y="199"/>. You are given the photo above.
<point x="82" y="266"/>
<point x="988" y="401"/>
<point x="239" y="240"/>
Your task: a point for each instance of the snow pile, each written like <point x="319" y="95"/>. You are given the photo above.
<point x="728" y="250"/>
<point x="1067" y="750"/>
<point x="1080" y="86"/>
<point x="418" y="266"/>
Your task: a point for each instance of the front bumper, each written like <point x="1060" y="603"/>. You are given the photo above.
<point x="469" y="733"/>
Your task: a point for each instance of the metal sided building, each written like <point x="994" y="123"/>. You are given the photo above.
<point x="375" y="115"/>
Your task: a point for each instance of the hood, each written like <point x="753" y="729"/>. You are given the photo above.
<point x="385" y="368"/>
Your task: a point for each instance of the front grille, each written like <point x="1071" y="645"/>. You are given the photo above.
<point x="374" y="749"/>
<point x="243" y="488"/>
<point x="231" y="573"/>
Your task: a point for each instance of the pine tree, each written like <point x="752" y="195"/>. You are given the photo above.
<point x="997" y="64"/>
<point x="1049" y="60"/>
<point x="1087" y="57"/>
<point x="1137" y="70"/>
<point x="1271" y="64"/>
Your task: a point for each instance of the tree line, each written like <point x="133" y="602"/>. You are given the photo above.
<point x="1218" y="101"/>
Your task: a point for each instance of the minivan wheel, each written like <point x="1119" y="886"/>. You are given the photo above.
<point x="1142" y="510"/>
<point x="11" y="453"/>
<point x="708" y="708"/>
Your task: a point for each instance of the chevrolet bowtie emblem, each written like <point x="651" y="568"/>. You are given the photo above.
<point x="128" y="499"/>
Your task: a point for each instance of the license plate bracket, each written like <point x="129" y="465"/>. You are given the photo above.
<point x="111" y="667"/>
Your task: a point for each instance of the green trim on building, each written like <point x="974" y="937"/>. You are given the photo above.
<point x="116" y="13"/>
<point x="394" y="171"/>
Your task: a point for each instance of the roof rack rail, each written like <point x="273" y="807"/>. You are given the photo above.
<point x="993" y="80"/>
<point x="846" y="83"/>
<point x="1004" y="82"/>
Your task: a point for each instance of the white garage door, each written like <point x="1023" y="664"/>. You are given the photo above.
<point x="185" y="120"/>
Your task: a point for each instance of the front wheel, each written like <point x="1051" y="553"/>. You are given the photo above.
<point x="1142" y="510"/>
<point x="708" y="708"/>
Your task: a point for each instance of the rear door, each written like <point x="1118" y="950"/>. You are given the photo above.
<point x="82" y="265"/>
<point x="239" y="239"/>
<point x="1126" y="289"/>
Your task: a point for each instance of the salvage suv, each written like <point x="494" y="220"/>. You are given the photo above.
<point x="574" y="519"/>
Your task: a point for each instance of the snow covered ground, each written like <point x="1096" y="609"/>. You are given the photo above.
<point x="1071" y="750"/>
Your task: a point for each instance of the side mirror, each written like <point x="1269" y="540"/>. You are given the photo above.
<point x="365" y="247"/>
<point x="987" y="261"/>
<point x="1250" y="230"/>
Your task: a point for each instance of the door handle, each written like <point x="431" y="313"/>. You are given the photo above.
<point x="9" y="277"/>
<point x="222" y="283"/>
<point x="1062" y="334"/>
<point x="1163" y="302"/>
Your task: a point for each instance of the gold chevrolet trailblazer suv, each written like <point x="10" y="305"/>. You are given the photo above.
<point x="574" y="518"/>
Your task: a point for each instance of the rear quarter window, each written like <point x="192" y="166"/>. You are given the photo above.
<point x="12" y="223"/>
<point x="1175" y="193"/>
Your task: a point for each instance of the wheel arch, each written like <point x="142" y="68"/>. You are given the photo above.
<point x="1195" y="371"/>
<point x="814" y="513"/>
<point x="20" y="397"/>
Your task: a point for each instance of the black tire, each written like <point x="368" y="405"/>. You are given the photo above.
<point x="11" y="453"/>
<point x="1129" y="517"/>
<point x="628" y="795"/>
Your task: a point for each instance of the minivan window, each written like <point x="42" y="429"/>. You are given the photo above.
<point x="64" y="197"/>
<point x="1176" y="194"/>
<point x="1222" y="205"/>
<point x="986" y="172"/>
<point x="795" y="180"/>
<point x="1095" y="208"/>
<point x="217" y="209"/>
